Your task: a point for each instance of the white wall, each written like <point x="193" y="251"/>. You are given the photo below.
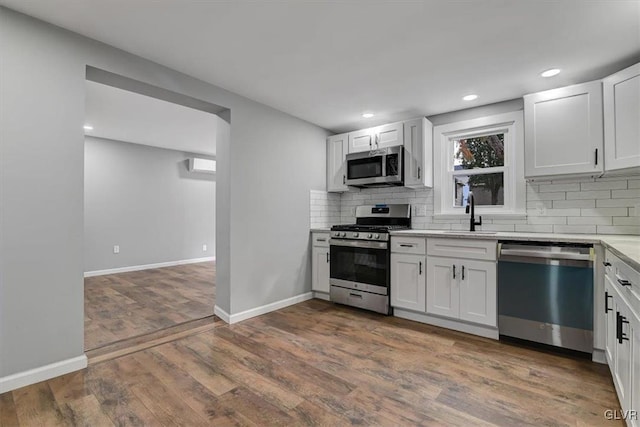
<point x="269" y="165"/>
<point x="144" y="200"/>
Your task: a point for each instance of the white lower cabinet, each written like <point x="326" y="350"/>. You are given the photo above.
<point x="622" y="354"/>
<point x="320" y="262"/>
<point x="443" y="289"/>
<point x="462" y="289"/>
<point x="622" y="326"/>
<point x="478" y="292"/>
<point x="635" y="371"/>
<point x="610" y="321"/>
<point x="408" y="281"/>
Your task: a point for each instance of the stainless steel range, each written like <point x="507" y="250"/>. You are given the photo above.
<point x="360" y="256"/>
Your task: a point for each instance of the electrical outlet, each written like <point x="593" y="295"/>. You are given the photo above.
<point x="116" y="249"/>
<point x="204" y="248"/>
<point x="420" y="210"/>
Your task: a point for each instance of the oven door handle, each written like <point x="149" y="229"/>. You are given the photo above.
<point x="358" y="244"/>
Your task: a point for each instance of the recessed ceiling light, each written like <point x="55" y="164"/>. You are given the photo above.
<point x="469" y="97"/>
<point x="87" y="127"/>
<point x="551" y="72"/>
<point x="367" y="115"/>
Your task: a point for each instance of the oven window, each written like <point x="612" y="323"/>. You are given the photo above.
<point x="364" y="168"/>
<point x="362" y="265"/>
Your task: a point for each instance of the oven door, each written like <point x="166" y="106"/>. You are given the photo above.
<point x="360" y="265"/>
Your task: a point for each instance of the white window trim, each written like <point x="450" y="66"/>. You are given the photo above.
<point x="515" y="187"/>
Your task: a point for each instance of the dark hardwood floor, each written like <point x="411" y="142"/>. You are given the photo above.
<point x="320" y="364"/>
<point x="125" y="305"/>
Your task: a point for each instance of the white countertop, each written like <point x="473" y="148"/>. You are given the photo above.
<point x="626" y="247"/>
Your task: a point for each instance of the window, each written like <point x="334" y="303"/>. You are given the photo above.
<point x="483" y="156"/>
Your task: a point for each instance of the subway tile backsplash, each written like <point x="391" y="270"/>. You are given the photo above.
<point x="590" y="206"/>
<point x="324" y="209"/>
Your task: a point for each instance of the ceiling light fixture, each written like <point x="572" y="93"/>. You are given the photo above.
<point x="550" y="72"/>
<point x="87" y="127"/>
<point x="367" y="115"/>
<point x="469" y="97"/>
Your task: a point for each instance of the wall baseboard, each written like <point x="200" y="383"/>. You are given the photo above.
<point x="264" y="309"/>
<point x="221" y="314"/>
<point x="147" y="266"/>
<point x="321" y="295"/>
<point x="42" y="373"/>
<point x="599" y="356"/>
<point x="483" y="331"/>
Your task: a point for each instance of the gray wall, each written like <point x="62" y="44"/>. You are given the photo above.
<point x="269" y="165"/>
<point x="146" y="201"/>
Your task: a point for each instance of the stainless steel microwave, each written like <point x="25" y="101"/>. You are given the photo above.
<point x="376" y="168"/>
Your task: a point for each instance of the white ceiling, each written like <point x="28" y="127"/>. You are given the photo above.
<point x="329" y="61"/>
<point x="127" y="116"/>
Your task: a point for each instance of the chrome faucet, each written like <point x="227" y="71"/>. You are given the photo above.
<point x="471" y="206"/>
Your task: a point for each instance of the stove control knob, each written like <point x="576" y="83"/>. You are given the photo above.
<point x="377" y="236"/>
<point x="355" y="234"/>
<point x="344" y="234"/>
<point x="370" y="236"/>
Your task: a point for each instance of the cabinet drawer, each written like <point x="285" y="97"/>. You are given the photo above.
<point x="625" y="279"/>
<point x="463" y="248"/>
<point x="408" y="245"/>
<point x="320" y="239"/>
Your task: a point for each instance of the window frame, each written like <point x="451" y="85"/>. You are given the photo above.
<point x="511" y="125"/>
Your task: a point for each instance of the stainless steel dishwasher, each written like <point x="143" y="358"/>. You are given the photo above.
<point x="545" y="293"/>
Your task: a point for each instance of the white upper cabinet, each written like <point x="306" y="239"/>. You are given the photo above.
<point x="337" y="148"/>
<point x="418" y="153"/>
<point x="622" y="120"/>
<point x="384" y="136"/>
<point x="389" y="135"/>
<point x="564" y="132"/>
<point x="361" y="140"/>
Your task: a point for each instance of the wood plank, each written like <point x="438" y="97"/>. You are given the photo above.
<point x="320" y="364"/>
<point x="8" y="415"/>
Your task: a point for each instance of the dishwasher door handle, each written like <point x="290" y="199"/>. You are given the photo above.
<point x="546" y="254"/>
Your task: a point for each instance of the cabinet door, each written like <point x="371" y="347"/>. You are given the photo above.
<point x="635" y="370"/>
<point x="622" y="365"/>
<point x="610" y="322"/>
<point x="361" y="140"/>
<point x="478" y="292"/>
<point x="443" y="292"/>
<point x="337" y="146"/>
<point x="563" y="131"/>
<point x="408" y="284"/>
<point x="621" y="123"/>
<point x="389" y="135"/>
<point x="418" y="147"/>
<point x="320" y="269"/>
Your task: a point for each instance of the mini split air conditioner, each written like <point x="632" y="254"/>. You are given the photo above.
<point x="202" y="165"/>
